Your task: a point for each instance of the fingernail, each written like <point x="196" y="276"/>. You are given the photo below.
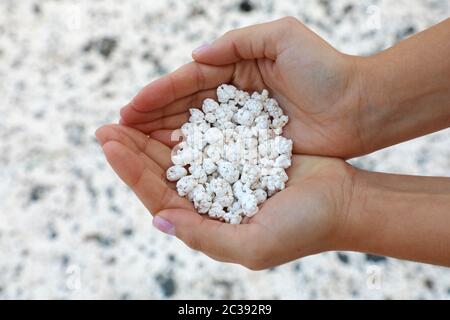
<point x="163" y="225"/>
<point x="201" y="48"/>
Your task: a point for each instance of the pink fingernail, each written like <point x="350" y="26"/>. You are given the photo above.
<point x="201" y="48"/>
<point x="163" y="225"/>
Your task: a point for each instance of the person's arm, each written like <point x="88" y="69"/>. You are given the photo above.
<point x="327" y="205"/>
<point x="406" y="89"/>
<point x="406" y="217"/>
<point x="339" y="105"/>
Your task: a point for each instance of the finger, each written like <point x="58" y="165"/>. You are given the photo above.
<point x="186" y="80"/>
<point x="231" y="243"/>
<point x="154" y="149"/>
<point x="130" y="115"/>
<point x="170" y="122"/>
<point x="165" y="136"/>
<point x="266" y="40"/>
<point x="152" y="153"/>
<point x="146" y="184"/>
<point x="112" y="133"/>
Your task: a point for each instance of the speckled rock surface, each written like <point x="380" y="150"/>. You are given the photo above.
<point x="70" y="229"/>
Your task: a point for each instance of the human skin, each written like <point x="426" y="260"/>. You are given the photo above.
<point x="336" y="103"/>
<point x="281" y="231"/>
<point x="327" y="205"/>
<point x="340" y="106"/>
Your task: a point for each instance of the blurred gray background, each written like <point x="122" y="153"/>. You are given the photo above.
<point x="69" y="228"/>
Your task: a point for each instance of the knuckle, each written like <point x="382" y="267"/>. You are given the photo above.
<point x="200" y="77"/>
<point x="289" y="23"/>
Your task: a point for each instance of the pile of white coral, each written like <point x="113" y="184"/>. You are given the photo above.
<point x="234" y="154"/>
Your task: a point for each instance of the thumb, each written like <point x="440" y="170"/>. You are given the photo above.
<point x="264" y="40"/>
<point x="223" y="241"/>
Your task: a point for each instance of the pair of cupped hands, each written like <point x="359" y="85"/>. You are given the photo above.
<point x="322" y="92"/>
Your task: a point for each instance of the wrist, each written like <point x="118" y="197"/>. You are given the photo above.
<point x="348" y="225"/>
<point x="374" y="198"/>
<point x="363" y="96"/>
<point x="404" y="90"/>
<point x="400" y="216"/>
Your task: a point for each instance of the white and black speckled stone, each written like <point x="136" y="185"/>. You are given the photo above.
<point x="69" y="229"/>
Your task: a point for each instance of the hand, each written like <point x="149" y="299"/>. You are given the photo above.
<point x="327" y="205"/>
<point x="317" y="86"/>
<point x="305" y="218"/>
